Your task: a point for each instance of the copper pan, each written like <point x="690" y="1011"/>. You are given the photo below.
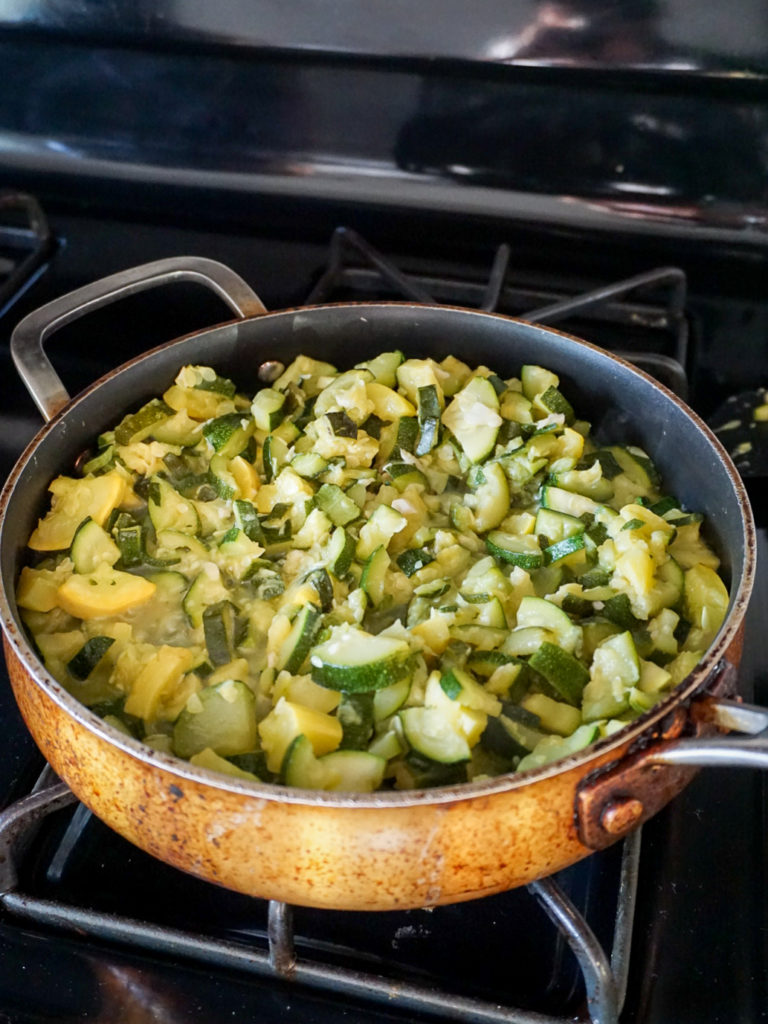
<point x="395" y="849"/>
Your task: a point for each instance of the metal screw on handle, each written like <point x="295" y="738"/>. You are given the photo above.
<point x="29" y="337"/>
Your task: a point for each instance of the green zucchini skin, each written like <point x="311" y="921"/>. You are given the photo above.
<point x="89" y="655"/>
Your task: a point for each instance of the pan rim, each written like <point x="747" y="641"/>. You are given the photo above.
<point x="641" y="729"/>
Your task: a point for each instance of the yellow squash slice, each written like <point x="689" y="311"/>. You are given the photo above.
<point x="103" y="592"/>
<point x="73" y="501"/>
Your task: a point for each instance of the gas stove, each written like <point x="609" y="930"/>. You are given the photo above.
<point x="573" y="945"/>
<point x="312" y="202"/>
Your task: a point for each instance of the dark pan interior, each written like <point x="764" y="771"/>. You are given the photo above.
<point x="623" y="405"/>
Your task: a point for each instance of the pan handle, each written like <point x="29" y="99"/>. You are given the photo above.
<point x="750" y="751"/>
<point x="31" y="334"/>
<point x="619" y="797"/>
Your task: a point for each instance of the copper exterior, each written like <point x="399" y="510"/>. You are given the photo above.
<point x="329" y="854"/>
<point x="356" y="854"/>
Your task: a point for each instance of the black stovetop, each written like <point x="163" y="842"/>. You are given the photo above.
<point x="700" y="936"/>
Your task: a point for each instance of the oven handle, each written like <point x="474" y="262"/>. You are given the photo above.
<point x="30" y="335"/>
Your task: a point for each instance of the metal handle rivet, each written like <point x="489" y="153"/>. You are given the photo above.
<point x="620" y="815"/>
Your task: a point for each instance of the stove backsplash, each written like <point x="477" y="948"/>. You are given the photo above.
<point x="641" y="110"/>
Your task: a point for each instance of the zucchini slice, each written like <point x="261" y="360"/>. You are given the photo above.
<point x="309" y="464"/>
<point x="390" y="699"/>
<point x="267" y="409"/>
<point x="337" y="506"/>
<point x="492" y="497"/>
<point x="228" y="435"/>
<point x="221" y="717"/>
<point x="220" y="629"/>
<point x="473" y="418"/>
<point x="286" y="721"/>
<point x="352" y="771"/>
<point x="384" y="368"/>
<point x="168" y="510"/>
<point x="340" y="552"/>
<point x="209" y="759"/>
<point x="274" y="456"/>
<point x="373" y="578"/>
<point x="301" y="767"/>
<point x="92" y="546"/>
<point x="512" y="737"/>
<point x="536" y="611"/>
<point x="433" y="733"/>
<point x="562" y="671"/>
<point x="552" y="748"/>
<point x="296" y="646"/>
<point x="89" y="655"/>
<point x="615" y="670"/>
<point x="354" y="661"/>
<point x="554" y="715"/>
<point x="355" y="712"/>
<point x="207" y="589"/>
<point x="382" y="525"/>
<point x="537" y="380"/>
<point x="515" y="549"/>
<point x="569" y="502"/>
<point x="429" y="420"/>
<point x="138" y="425"/>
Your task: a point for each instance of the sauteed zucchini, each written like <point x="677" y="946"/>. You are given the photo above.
<point x="403" y="575"/>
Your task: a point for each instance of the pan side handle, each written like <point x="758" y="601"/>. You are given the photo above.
<point x="29" y="337"/>
<point x="747" y="751"/>
<point x="617" y="798"/>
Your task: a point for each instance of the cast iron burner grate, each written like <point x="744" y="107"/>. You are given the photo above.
<point x="26" y="243"/>
<point x="272" y="951"/>
<point x="275" y="949"/>
<point x="652" y="334"/>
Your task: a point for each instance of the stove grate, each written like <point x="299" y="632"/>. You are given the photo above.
<point x="653" y="333"/>
<point x="355" y="266"/>
<point x="26" y="244"/>
<point x="604" y="979"/>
